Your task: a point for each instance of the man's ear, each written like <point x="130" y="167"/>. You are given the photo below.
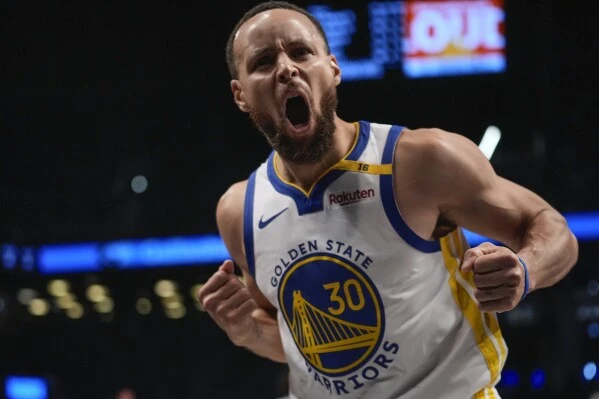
<point x="336" y="69"/>
<point x="239" y="95"/>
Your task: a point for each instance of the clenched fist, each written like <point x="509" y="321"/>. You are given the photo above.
<point x="500" y="279"/>
<point x="228" y="301"/>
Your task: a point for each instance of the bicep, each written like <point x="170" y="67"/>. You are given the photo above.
<point x="500" y="210"/>
<point x="476" y="198"/>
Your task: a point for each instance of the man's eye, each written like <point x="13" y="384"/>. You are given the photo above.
<point x="300" y="52"/>
<point x="262" y="61"/>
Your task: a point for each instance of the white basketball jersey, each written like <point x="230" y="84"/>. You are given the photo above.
<point x="366" y="308"/>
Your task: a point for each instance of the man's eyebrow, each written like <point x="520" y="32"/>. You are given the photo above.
<point x="257" y="51"/>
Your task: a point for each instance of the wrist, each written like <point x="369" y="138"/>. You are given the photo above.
<point x="246" y="336"/>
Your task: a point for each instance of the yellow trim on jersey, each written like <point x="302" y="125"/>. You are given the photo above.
<point x="362" y="167"/>
<point x="493" y="357"/>
<point x="489" y="318"/>
<point x="307" y="193"/>
<point x="486" y="393"/>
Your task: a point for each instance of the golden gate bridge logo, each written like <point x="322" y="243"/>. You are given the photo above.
<point x="340" y="327"/>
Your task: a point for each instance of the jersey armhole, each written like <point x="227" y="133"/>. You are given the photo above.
<point x="389" y="204"/>
<point x="248" y="225"/>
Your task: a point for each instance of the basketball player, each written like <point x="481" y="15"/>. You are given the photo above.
<point x="356" y="272"/>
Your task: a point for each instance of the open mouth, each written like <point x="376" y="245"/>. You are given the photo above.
<point x="297" y="111"/>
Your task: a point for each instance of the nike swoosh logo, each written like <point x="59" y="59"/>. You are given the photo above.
<point x="263" y="223"/>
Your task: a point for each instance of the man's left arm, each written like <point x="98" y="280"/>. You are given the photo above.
<point x="542" y="248"/>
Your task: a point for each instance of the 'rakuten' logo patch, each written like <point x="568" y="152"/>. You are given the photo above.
<point x="350" y="197"/>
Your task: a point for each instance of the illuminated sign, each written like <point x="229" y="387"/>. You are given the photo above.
<point x="453" y="37"/>
<point x="421" y="38"/>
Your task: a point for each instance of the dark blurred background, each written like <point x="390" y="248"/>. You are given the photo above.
<point x="95" y="94"/>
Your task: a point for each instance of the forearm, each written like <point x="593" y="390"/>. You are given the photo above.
<point x="265" y="339"/>
<point x="548" y="248"/>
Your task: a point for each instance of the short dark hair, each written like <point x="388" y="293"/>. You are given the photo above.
<point x="268" y="5"/>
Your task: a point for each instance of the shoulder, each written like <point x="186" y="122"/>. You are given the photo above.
<point x="232" y="200"/>
<point x="437" y="151"/>
<point x="229" y="219"/>
<point x="438" y="164"/>
<point x="434" y="142"/>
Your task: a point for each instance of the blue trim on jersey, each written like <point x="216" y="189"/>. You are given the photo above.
<point x="315" y="201"/>
<point x="388" y="199"/>
<point x="248" y="224"/>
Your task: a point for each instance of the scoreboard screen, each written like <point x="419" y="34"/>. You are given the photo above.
<point x="418" y="38"/>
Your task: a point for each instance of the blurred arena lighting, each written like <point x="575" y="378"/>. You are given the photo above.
<point x="175" y="313"/>
<point x="58" y="288"/>
<point x="66" y="301"/>
<point x="510" y="378"/>
<point x="165" y="288"/>
<point x="105" y="305"/>
<point x="39" y="307"/>
<point x="96" y="293"/>
<point x="589" y="371"/>
<point x="9" y="254"/>
<point x="143" y="306"/>
<point x="26" y="295"/>
<point x="593" y="287"/>
<point x="25" y="387"/>
<point x="340" y="25"/>
<point x="585" y="225"/>
<point x="489" y="142"/>
<point x="593" y="330"/>
<point x="75" y="311"/>
<point x="594" y="395"/>
<point x="537" y="379"/>
<point x="172" y="301"/>
<point x="139" y="184"/>
<point x="200" y="250"/>
<point x="131" y="254"/>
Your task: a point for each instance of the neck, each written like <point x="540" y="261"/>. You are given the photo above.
<point x="305" y="175"/>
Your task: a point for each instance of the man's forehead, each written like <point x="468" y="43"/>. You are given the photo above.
<point x="279" y="23"/>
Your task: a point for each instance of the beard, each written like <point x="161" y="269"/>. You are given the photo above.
<point x="307" y="151"/>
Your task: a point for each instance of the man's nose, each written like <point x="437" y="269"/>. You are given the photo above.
<point x="286" y="69"/>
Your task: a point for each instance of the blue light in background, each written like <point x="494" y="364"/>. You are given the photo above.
<point x="69" y="258"/>
<point x="340" y="26"/>
<point x="585" y="225"/>
<point x="361" y="70"/>
<point x="537" y="379"/>
<point x="26" y="388"/>
<point x="163" y="252"/>
<point x="132" y="254"/>
<point x="385" y="31"/>
<point x="589" y="371"/>
<point x="510" y="378"/>
<point x="476" y="239"/>
<point x="593" y="330"/>
<point x="27" y="259"/>
<point x="444" y="66"/>
<point x="191" y="250"/>
<point x="9" y="256"/>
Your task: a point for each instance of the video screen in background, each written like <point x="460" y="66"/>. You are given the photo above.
<point x="420" y="38"/>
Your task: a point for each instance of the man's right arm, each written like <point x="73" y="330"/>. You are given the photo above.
<point x="241" y="310"/>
